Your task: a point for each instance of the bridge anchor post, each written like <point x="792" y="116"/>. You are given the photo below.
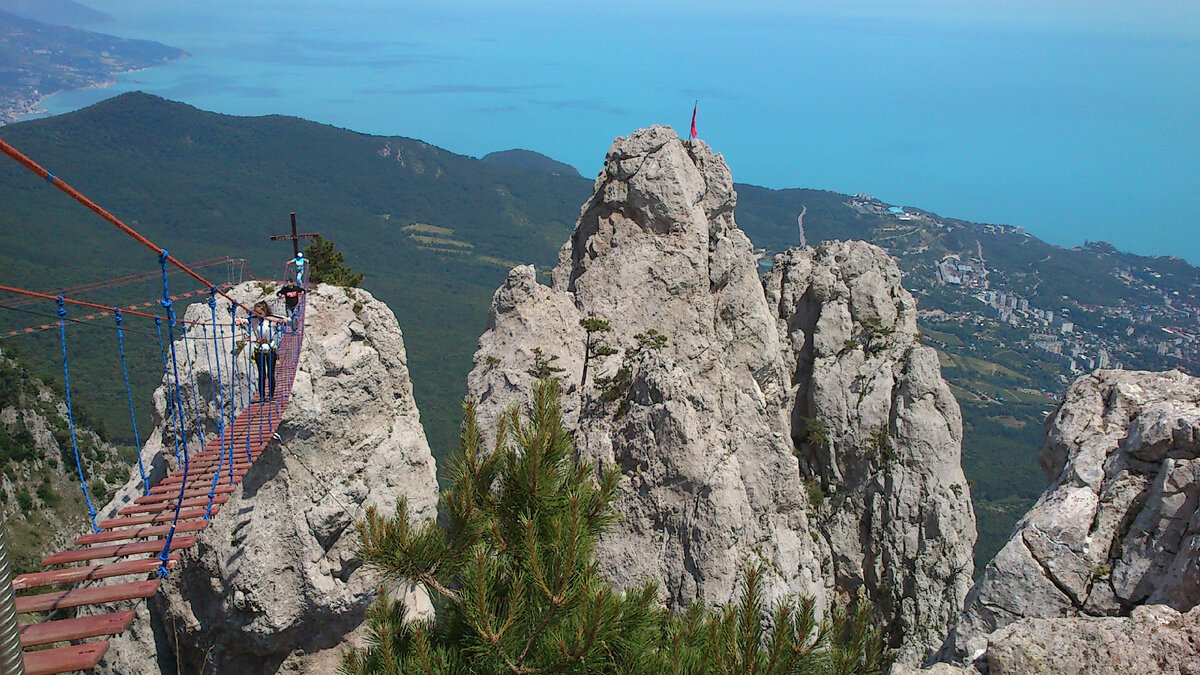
<point x="11" y="661"/>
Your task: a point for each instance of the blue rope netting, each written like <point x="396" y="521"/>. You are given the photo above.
<point x="213" y="384"/>
<point x="168" y="306"/>
<point x="195" y="393"/>
<point x="217" y="387"/>
<point x="129" y="395"/>
<point x="262" y="395"/>
<point x="174" y="410"/>
<point x="212" y="306"/>
<point x="62" y="333"/>
<point x="249" y="391"/>
<point x="234" y="393"/>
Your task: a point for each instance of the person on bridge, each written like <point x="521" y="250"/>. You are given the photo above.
<point x="301" y="266"/>
<point x="291" y="296"/>
<point x="264" y="348"/>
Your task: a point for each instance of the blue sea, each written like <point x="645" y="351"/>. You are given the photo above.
<point x="1075" y="127"/>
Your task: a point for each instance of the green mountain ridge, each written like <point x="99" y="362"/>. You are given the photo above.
<point x="534" y="161"/>
<point x="437" y="232"/>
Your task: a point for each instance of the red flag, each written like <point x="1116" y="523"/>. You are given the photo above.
<point x="694" y="118"/>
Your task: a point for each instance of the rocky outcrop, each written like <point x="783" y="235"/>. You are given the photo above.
<point x="1153" y="639"/>
<point x="880" y="432"/>
<point x="1118" y="529"/>
<point x="708" y="478"/>
<point x="706" y="403"/>
<point x="274" y="584"/>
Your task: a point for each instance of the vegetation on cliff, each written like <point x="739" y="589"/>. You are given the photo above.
<point x="512" y="571"/>
<point x="327" y="265"/>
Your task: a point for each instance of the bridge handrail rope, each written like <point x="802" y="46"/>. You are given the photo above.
<point x="128" y="279"/>
<point x="167" y="304"/>
<point x="98" y="210"/>
<point x="129" y="394"/>
<point x="62" y="327"/>
<point x="82" y="303"/>
<point x="84" y="322"/>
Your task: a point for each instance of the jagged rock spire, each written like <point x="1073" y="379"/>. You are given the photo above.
<point x="704" y="427"/>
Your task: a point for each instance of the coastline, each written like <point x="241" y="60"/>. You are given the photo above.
<point x="24" y="106"/>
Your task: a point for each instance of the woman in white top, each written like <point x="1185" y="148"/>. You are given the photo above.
<point x="264" y="348"/>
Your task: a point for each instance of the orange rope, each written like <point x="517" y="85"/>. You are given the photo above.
<point x="77" y="196"/>
<point x="93" y="305"/>
<point x="128" y="279"/>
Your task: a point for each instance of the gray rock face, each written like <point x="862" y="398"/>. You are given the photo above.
<point x="880" y="431"/>
<point x="1153" y="639"/>
<point x="708" y="479"/>
<point x="702" y="426"/>
<point x="1118" y="528"/>
<point x="274" y="584"/>
<point x="935" y="669"/>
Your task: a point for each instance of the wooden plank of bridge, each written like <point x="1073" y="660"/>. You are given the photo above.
<point x="72" y="575"/>
<point x="239" y="461"/>
<point x="204" y="470"/>
<point x="145" y="532"/>
<point x="94" y="595"/>
<point x="116" y="551"/>
<point x="170" y="497"/>
<point x="194" y="478"/>
<point x="36" y="634"/>
<point x="194" y="483"/>
<point x="64" y="659"/>
<point x="164" y="517"/>
<point x="213" y="456"/>
<point x="164" y="506"/>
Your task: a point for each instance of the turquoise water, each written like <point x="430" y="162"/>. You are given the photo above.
<point x="1075" y="132"/>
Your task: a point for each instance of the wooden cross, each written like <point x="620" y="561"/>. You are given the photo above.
<point x="295" y="237"/>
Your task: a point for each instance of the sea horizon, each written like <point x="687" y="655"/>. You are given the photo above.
<point x="1076" y="132"/>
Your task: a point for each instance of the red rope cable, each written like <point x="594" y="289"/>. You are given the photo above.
<point x="128" y="279"/>
<point x="77" y="196"/>
<point x="93" y="305"/>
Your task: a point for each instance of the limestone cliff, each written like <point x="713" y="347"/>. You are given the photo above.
<point x="880" y="432"/>
<point x="274" y="584"/>
<point x="704" y="402"/>
<point x="1117" y="534"/>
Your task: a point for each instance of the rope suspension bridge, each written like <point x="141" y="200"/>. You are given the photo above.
<point x="125" y="557"/>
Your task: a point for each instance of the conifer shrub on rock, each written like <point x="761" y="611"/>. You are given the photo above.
<point x="512" y="568"/>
